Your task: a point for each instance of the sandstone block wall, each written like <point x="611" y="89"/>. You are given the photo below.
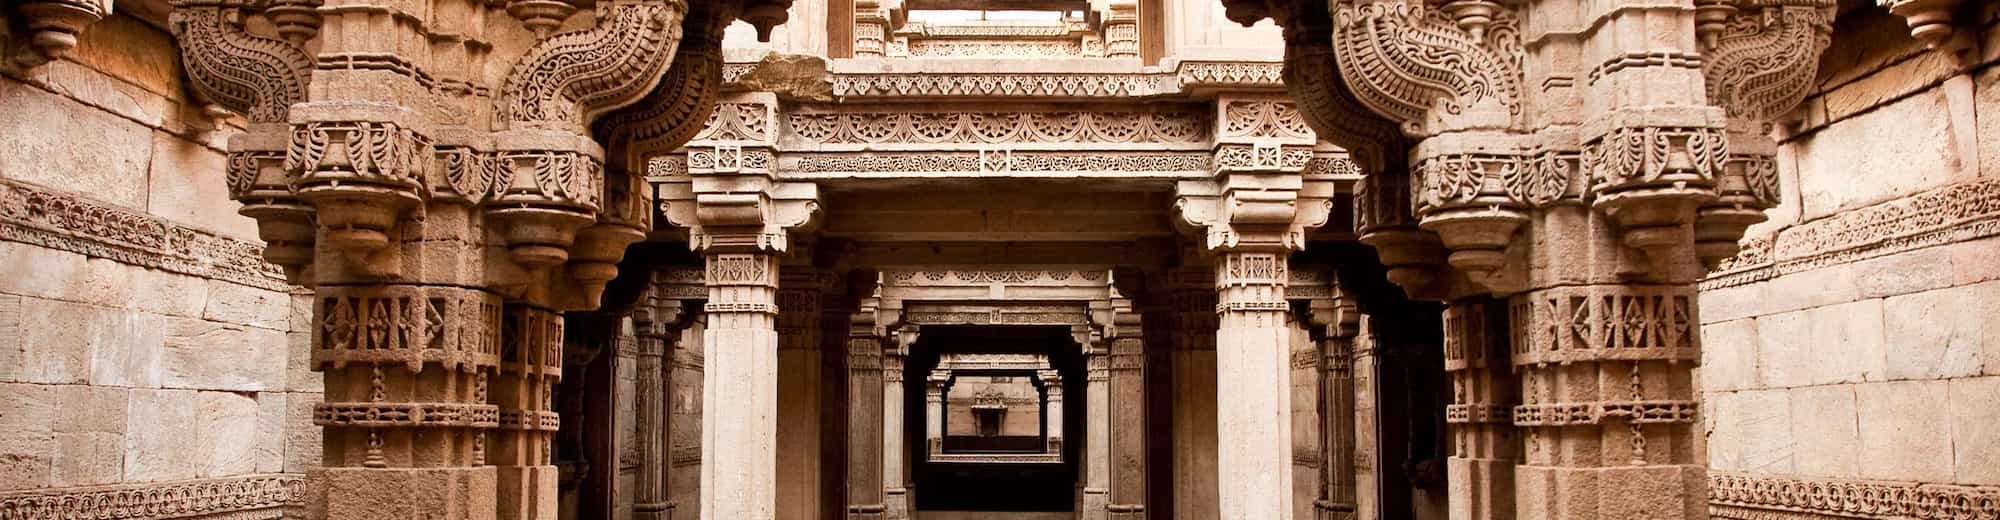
<point x="144" y="344"/>
<point x="1855" y="343"/>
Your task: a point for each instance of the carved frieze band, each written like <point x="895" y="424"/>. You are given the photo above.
<point x="982" y="278"/>
<point x="1001" y="162"/>
<point x="158" y="500"/>
<point x="1188" y="75"/>
<point x="1945" y="215"/>
<point x="32" y="215"/>
<point x="997" y="315"/>
<point x="1745" y="496"/>
<point x="1126" y="126"/>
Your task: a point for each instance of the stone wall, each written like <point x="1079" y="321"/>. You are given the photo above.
<point x="1853" y="347"/>
<point x="144" y="344"/>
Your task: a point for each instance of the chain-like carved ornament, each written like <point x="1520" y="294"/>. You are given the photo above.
<point x="1404" y="61"/>
<point x="568" y="76"/>
<point x="1019" y="127"/>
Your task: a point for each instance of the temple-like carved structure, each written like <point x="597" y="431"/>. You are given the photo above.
<point x="931" y="259"/>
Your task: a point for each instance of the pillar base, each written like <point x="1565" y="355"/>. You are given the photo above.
<point x="527" y="492"/>
<point x="1664" y="492"/>
<point x="1481" y="488"/>
<point x="403" y="493"/>
<point x="897" y="506"/>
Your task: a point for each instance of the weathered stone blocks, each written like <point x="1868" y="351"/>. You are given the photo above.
<point x="1932" y="334"/>
<point x="109" y="169"/>
<point x="161" y="437"/>
<point x="1906" y="436"/>
<point x="207" y="355"/>
<point x="1847" y="343"/>
<point x="27" y="444"/>
<point x="1826" y="430"/>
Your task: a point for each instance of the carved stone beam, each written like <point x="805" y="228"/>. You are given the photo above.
<point x="1760" y="61"/>
<point x="261" y="78"/>
<point x="553" y="183"/>
<point x="731" y="197"/>
<point x="1936" y="23"/>
<point x="53" y="26"/>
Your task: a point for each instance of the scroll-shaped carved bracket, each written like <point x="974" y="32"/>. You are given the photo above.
<point x="1760" y="63"/>
<point x="226" y="65"/>
<point x="1429" y="72"/>
<point x="570" y="78"/>
<point x="53" y="26"/>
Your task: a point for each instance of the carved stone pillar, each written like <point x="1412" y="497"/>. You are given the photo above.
<point x="935" y="387"/>
<point x="896" y="488"/>
<point x="1253" y="412"/>
<point x="1252" y="214"/>
<point x="1485" y="444"/>
<point x="1336" y="323"/>
<point x="1121" y="29"/>
<point x="1194" y="332"/>
<point x="1126" y="419"/>
<point x="524" y="390"/>
<point x="799" y="399"/>
<point x="739" y="394"/>
<point x="406" y="419"/>
<point x="1051" y="385"/>
<point x="657" y="323"/>
<point x="1367" y="422"/>
<point x="1094" y="489"/>
<point x="866" y="428"/>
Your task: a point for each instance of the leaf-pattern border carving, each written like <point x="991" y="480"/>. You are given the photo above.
<point x="35" y="216"/>
<point x="1956" y="213"/>
<point x="1185" y="126"/>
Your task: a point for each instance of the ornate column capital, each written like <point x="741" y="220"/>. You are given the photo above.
<point x="726" y="189"/>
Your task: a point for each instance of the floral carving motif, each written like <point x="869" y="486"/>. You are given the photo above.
<point x="1651" y="154"/>
<point x="1264" y="119"/>
<point x="1048" y="162"/>
<point x="33" y="215"/>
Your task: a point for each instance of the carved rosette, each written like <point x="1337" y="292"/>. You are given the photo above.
<point x="1760" y="63"/>
<point x="53" y="26"/>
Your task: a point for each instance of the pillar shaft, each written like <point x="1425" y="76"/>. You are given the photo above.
<point x="866" y="428"/>
<point x="371" y="342"/>
<point x="1253" y="411"/>
<point x="1485" y="444"/>
<point x="1052" y="413"/>
<point x="1194" y="420"/>
<point x="1337" y="492"/>
<point x="799" y="399"/>
<point x="653" y="487"/>
<point x="895" y="472"/>
<point x="739" y="397"/>
<point x="1607" y="402"/>
<point x="1094" y="494"/>
<point x="1127" y="422"/>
